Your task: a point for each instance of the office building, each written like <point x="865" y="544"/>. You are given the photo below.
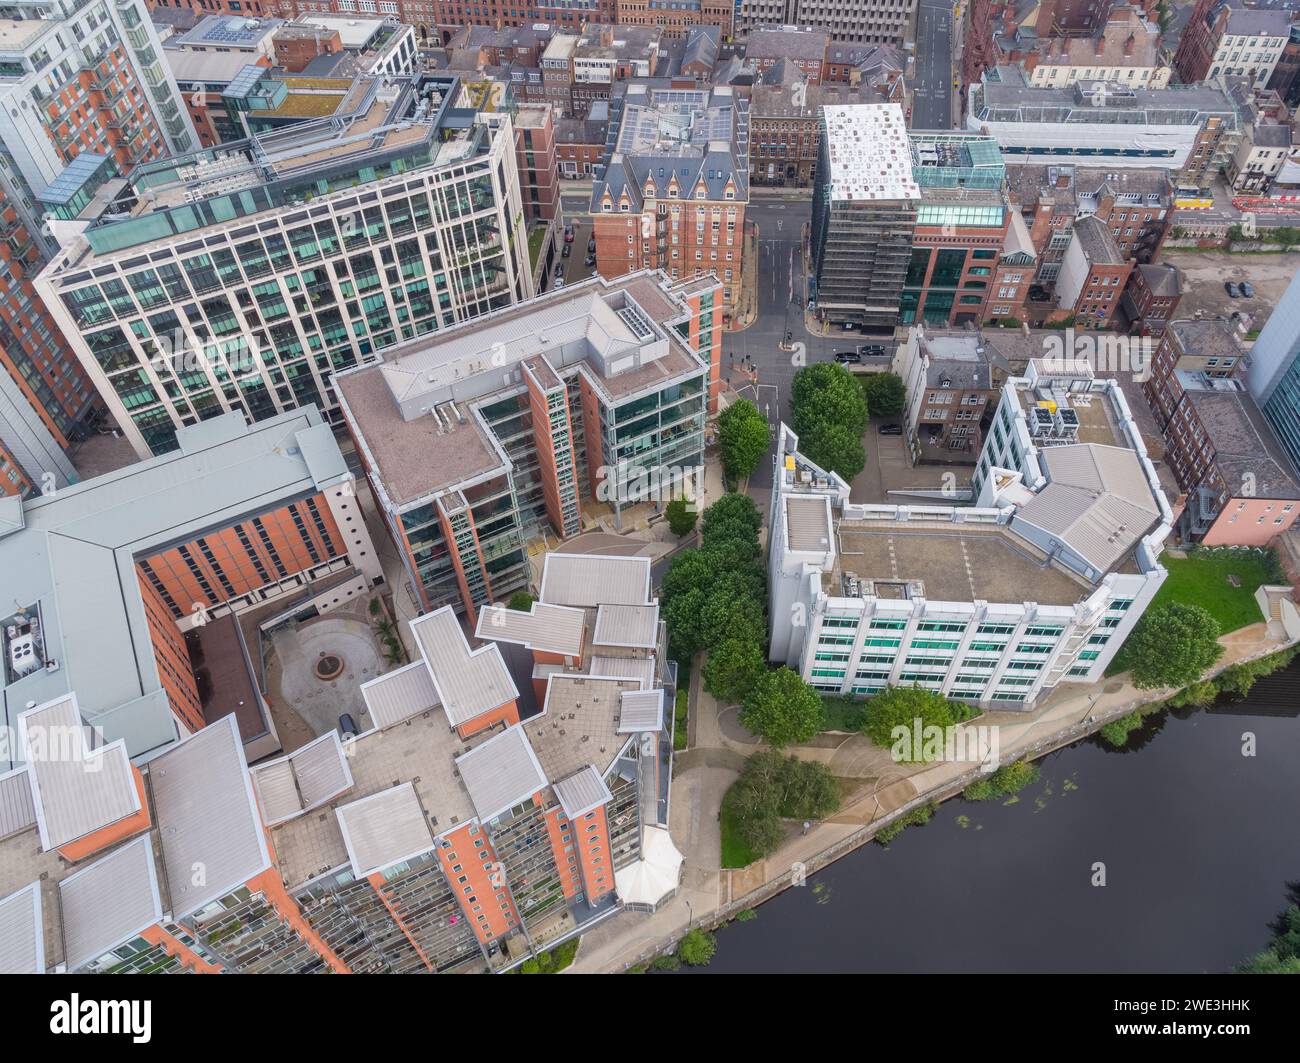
<point x="242" y="276"/>
<point x="450" y="837"/>
<point x="127" y="589"/>
<point x="864" y="214"/>
<point x="1036" y="584"/>
<point x="479" y="438"/>
<point x="672" y="196"/>
<point x="1189" y="130"/>
<point x="853" y="22"/>
<point x="1274" y="374"/>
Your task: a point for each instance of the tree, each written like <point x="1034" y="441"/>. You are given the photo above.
<point x="834" y="448"/>
<point x="885" y="393"/>
<point x="773" y="786"/>
<point x="826" y="391"/>
<point x="682" y="516"/>
<point x="902" y="707"/>
<point x="744" y="436"/>
<point x="684" y="613"/>
<point x="521" y="601"/>
<point x="782" y="708"/>
<point x="696" y="949"/>
<point x="732" y="506"/>
<point x="733" y="668"/>
<point x="1172" y="646"/>
<point x="731" y="613"/>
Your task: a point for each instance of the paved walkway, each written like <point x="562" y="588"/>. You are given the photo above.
<point x="718" y="745"/>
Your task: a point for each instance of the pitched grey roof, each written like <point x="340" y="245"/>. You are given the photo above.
<point x="501" y="773"/>
<point x="109" y="902"/>
<point x="22" y="933"/>
<point x="383" y="829"/>
<point x="550" y="628"/>
<point x="641" y="710"/>
<point x="207" y="817"/>
<point x="76" y="790"/>
<point x="400" y="694"/>
<point x="469" y="682"/>
<point x="1097" y="501"/>
<point x="640" y="668"/>
<point x="591" y="580"/>
<point x="17" y="811"/>
<point x="307" y="778"/>
<point x="581" y="792"/>
<point x="629" y="626"/>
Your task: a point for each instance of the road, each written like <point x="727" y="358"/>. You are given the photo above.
<point x="932" y="105"/>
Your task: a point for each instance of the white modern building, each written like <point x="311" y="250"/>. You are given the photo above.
<point x="1036" y="584"/>
<point x="242" y="276"/>
<point x="1251" y="45"/>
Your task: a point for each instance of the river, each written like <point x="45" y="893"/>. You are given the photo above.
<point x="1197" y="842"/>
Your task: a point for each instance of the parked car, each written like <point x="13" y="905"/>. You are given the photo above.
<point x="590" y="261"/>
<point x="1247" y="290"/>
<point x="591" y="246"/>
<point x="1233" y="291"/>
<point x="848" y="357"/>
<point x="568" y="234"/>
<point x="567" y="249"/>
<point x="559" y="269"/>
<point x="559" y="283"/>
<point x="890" y="429"/>
<point x="871" y="350"/>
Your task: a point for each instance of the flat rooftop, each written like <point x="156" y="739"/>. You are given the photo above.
<point x="870" y="153"/>
<point x="958" y="562"/>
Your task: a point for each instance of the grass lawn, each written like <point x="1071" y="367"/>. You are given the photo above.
<point x="535" y="238"/>
<point x="735" y="853"/>
<point x="1202" y="579"/>
<point x="842" y="714"/>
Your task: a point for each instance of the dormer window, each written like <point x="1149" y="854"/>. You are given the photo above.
<point x="730" y="194"/>
<point x="672" y="193"/>
<point x="606" y="206"/>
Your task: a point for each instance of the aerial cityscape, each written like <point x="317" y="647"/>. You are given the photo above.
<point x="650" y="486"/>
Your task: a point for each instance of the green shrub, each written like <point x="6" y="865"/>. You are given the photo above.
<point x="1117" y="731"/>
<point x="916" y="818"/>
<point x="666" y="963"/>
<point x="696" y="949"/>
<point x="1007" y="780"/>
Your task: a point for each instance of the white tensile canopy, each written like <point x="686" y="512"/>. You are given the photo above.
<point x="655" y="875"/>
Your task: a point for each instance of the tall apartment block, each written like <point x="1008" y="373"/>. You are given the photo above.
<point x="1274" y="374"/>
<point x="240" y="277"/>
<point x="672" y="196"/>
<point x="535" y="159"/>
<point x="143" y="592"/>
<point x="1036" y="584"/>
<point x="478" y="438"/>
<point x="864" y="215"/>
<point x="80" y="84"/>
<point x="450" y="836"/>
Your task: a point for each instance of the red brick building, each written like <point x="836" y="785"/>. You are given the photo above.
<point x="1151" y="298"/>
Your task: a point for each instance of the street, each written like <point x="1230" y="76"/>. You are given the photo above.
<point x="932" y="106"/>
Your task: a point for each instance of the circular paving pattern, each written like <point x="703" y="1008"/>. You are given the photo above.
<point x="329" y="666"/>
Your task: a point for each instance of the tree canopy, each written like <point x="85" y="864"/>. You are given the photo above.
<point x="682" y="516"/>
<point x="1172" y="646"/>
<point x="896" y="707"/>
<point x="773" y="786"/>
<point x="733" y="668"/>
<point x="885" y="393"/>
<point x="829" y="411"/>
<point x="744" y="436"/>
<point x="782" y="708"/>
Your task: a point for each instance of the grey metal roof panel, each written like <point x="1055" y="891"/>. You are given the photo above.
<point x="207" y="817"/>
<point x="549" y="628"/>
<point x="641" y="710"/>
<point x="400" y="694"/>
<point x="639" y="668"/>
<point x="384" y="829"/>
<point x="109" y="902"/>
<point x="591" y="580"/>
<point x="17" y="811"/>
<point x="22" y="932"/>
<point x="76" y="790"/>
<point x="305" y="779"/>
<point x="581" y="792"/>
<point x="808" y="523"/>
<point x="629" y="626"/>
<point x="501" y="773"/>
<point x="468" y="682"/>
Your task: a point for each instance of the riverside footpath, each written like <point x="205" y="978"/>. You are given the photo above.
<point x="880" y="791"/>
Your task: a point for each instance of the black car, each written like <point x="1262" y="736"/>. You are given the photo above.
<point x="567" y="249"/>
<point x="1247" y="290"/>
<point x="591" y="246"/>
<point x="590" y="261"/>
<point x="1233" y="291"/>
<point x="848" y="357"/>
<point x="871" y="350"/>
<point x="890" y="429"/>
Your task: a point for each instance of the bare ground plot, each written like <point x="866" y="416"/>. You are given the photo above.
<point x="1206" y="272"/>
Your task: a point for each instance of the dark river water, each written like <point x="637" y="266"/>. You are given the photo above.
<point x="1197" y="840"/>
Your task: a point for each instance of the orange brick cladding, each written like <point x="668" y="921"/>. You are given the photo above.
<point x="591" y="842"/>
<point x="224" y="564"/>
<point x="478" y="881"/>
<point x="175" y="670"/>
